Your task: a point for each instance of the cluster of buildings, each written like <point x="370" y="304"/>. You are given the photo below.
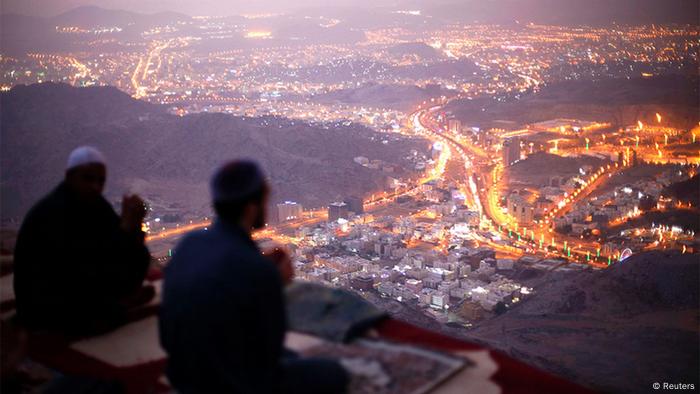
<point x="619" y="203"/>
<point x="289" y="210"/>
<point x="430" y="259"/>
<point x="369" y="260"/>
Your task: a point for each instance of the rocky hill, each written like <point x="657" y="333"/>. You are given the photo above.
<point x="619" y="101"/>
<point x="402" y="97"/>
<point x="616" y="330"/>
<point x="169" y="158"/>
<point x="688" y="190"/>
<point x="537" y="169"/>
<point x="417" y="49"/>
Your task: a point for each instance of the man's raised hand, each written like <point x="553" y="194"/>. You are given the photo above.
<point x="133" y="212"/>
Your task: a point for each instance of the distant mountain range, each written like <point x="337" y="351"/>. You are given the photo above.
<point x="22" y="34"/>
<point x="169" y="159"/>
<point x="92" y="16"/>
<point x="371" y="11"/>
<point x="568" y="12"/>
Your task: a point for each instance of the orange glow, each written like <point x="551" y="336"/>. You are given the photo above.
<point x="179" y="230"/>
<point x="258" y="34"/>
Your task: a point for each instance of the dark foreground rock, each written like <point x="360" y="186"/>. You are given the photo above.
<point x="616" y="330"/>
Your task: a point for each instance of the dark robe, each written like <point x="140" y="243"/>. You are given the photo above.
<point x="223" y="322"/>
<point x="74" y="264"/>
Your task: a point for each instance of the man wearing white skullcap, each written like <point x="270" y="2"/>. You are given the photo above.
<point x="85" y="155"/>
<point x="76" y="260"/>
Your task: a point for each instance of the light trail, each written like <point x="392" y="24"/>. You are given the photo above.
<point x="507" y="224"/>
<point x="142" y="68"/>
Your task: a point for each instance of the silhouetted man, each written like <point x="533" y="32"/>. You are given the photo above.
<point x="77" y="264"/>
<point x="222" y="320"/>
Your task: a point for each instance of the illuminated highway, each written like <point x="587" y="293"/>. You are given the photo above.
<point x="481" y="177"/>
<point x="531" y="240"/>
<point x="143" y="68"/>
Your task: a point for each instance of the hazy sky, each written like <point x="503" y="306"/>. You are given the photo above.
<point x="191" y="7"/>
<point x="642" y="11"/>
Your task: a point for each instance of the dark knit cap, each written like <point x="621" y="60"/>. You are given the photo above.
<point x="237" y="181"/>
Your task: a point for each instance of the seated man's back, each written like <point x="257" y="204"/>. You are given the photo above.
<point x="222" y="320"/>
<point x="222" y="317"/>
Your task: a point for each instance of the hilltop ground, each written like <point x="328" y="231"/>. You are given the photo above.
<point x="615" y="330"/>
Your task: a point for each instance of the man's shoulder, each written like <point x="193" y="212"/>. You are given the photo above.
<point x="215" y="245"/>
<point x="212" y="245"/>
<point x="51" y="204"/>
<point x="197" y="239"/>
<point x="204" y="259"/>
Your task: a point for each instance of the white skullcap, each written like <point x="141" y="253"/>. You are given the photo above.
<point x="85" y="155"/>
